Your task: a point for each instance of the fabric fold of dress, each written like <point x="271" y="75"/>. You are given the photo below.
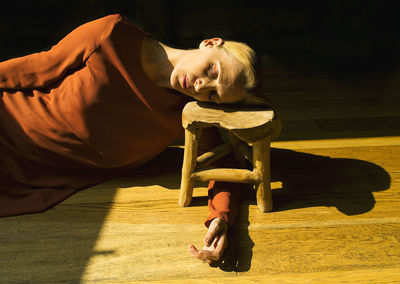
<point x="79" y="114"/>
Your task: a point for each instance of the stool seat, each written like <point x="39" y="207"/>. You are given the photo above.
<point x="245" y="125"/>
<point x="248" y="123"/>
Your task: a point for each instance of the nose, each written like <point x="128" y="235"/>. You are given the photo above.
<point x="201" y="84"/>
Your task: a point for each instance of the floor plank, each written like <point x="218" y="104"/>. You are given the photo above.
<point x="337" y="142"/>
<point x="336" y="217"/>
<point x="388" y="275"/>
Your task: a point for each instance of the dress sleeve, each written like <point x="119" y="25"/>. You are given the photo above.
<point x="223" y="197"/>
<point x="40" y="69"/>
<point x="223" y="201"/>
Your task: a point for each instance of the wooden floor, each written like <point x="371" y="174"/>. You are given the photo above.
<point x="336" y="173"/>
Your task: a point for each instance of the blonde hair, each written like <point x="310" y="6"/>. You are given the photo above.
<point x="247" y="57"/>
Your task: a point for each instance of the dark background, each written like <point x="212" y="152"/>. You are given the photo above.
<point x="343" y="37"/>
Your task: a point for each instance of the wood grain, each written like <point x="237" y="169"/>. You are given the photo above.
<point x="227" y="175"/>
<point x="131" y="229"/>
<point x="192" y="137"/>
<point x="336" y="216"/>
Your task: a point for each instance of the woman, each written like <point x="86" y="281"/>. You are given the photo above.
<point x="106" y="99"/>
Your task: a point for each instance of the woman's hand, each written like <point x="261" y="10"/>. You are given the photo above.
<point x="215" y="242"/>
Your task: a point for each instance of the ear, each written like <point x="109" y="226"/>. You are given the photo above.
<point x="212" y="42"/>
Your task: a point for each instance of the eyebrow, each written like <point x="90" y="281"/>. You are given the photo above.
<point x="219" y="71"/>
<point x="219" y="67"/>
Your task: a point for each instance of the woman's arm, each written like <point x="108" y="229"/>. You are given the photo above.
<point x="223" y="197"/>
<point x="40" y="69"/>
<point x="223" y="204"/>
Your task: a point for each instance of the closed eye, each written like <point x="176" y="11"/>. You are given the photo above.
<point x="212" y="72"/>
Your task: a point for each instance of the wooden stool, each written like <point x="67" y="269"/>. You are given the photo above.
<point x="244" y="125"/>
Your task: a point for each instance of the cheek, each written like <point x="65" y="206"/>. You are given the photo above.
<point x="233" y="97"/>
<point x="194" y="65"/>
<point x="201" y="97"/>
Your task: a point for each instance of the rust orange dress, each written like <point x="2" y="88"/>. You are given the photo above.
<point x="81" y="113"/>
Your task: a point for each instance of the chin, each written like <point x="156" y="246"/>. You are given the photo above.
<point x="174" y="80"/>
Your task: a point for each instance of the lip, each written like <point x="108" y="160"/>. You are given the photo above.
<point x="185" y="82"/>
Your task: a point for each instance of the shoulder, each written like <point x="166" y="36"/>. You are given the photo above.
<point x="92" y="33"/>
<point x="101" y="24"/>
<point x="115" y="26"/>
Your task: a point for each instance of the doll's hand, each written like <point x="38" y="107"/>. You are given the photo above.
<point x="215" y="242"/>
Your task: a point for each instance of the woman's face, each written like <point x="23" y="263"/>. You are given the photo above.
<point x="209" y="74"/>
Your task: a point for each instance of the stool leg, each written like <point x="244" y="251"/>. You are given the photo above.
<point x="261" y="164"/>
<point x="192" y="137"/>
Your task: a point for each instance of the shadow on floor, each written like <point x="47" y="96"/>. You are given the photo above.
<point x="57" y="245"/>
<point x="313" y="180"/>
<point x="308" y="180"/>
<point x="239" y="253"/>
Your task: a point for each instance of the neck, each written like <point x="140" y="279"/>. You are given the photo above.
<point x="158" y="61"/>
